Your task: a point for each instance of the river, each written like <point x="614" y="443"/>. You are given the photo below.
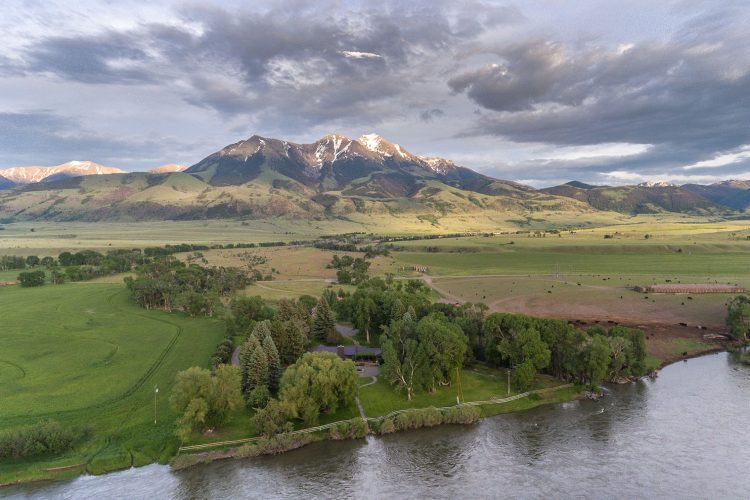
<point x="683" y="435"/>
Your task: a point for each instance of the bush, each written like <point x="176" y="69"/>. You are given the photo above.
<point x="386" y="426"/>
<point x="31" y="278"/>
<point x="45" y="438"/>
<point x="355" y="428"/>
<point x="461" y="415"/>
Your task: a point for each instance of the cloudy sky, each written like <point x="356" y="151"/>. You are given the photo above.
<point x="608" y="92"/>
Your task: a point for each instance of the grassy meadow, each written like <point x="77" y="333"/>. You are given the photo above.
<point x="83" y="355"/>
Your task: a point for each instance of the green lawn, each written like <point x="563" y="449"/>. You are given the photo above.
<point x="83" y="355"/>
<point x="477" y="385"/>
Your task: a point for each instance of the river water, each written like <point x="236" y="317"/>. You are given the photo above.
<point x="683" y="435"/>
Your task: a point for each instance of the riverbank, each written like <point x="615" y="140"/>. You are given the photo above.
<point x="396" y="421"/>
<point x="206" y="452"/>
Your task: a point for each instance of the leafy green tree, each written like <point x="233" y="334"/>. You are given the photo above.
<point x="597" y="360"/>
<point x="738" y="317"/>
<point x="246" y="311"/>
<point x="324" y="326"/>
<point x="274" y="364"/>
<point x="363" y="316"/>
<point x="442" y="346"/>
<point x="31" y="278"/>
<point x="402" y="365"/>
<point x="48" y="262"/>
<point x="523" y="375"/>
<point x="32" y="261"/>
<point x="526" y="351"/>
<point x="319" y="382"/>
<point x="203" y="399"/>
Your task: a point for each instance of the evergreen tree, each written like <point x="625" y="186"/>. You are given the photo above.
<point x="258" y="374"/>
<point x="262" y="330"/>
<point x="245" y="355"/>
<point x="298" y="341"/>
<point x="324" y="325"/>
<point x="274" y="364"/>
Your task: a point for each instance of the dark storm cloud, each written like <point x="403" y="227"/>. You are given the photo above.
<point x="687" y="96"/>
<point x="307" y="63"/>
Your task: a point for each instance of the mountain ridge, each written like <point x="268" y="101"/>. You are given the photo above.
<point x="334" y="176"/>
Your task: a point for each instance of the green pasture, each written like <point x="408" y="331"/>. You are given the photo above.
<point x="83" y="355"/>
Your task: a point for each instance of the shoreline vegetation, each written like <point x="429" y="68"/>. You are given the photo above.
<point x="211" y="300"/>
<point x="282" y="443"/>
<point x="357" y="428"/>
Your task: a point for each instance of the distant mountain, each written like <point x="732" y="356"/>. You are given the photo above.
<point x="6" y="183"/>
<point x="28" y="175"/>
<point x="643" y="198"/>
<point x="334" y="177"/>
<point x="168" y="168"/>
<point x="732" y="193"/>
<point x="369" y="166"/>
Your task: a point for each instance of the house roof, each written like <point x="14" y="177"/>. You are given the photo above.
<point x="349" y="350"/>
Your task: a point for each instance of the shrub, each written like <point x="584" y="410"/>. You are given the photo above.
<point x="461" y="415"/>
<point x="355" y="428"/>
<point x="386" y="426"/>
<point x="44" y="438"/>
<point x="31" y="278"/>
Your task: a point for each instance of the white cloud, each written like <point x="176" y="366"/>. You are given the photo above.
<point x="359" y="55"/>
<point x="573" y="153"/>
<point x="722" y="160"/>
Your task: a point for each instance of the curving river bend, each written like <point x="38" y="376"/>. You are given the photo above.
<point x="687" y="434"/>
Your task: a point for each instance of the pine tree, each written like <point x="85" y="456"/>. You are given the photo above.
<point x="262" y="330"/>
<point x="258" y="375"/>
<point x="274" y="364"/>
<point x="245" y="355"/>
<point x="295" y="333"/>
<point x="324" y="325"/>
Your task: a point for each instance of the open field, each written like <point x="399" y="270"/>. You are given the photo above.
<point x="273" y="291"/>
<point x="50" y="238"/>
<point x="83" y="355"/>
<point x="583" y="276"/>
<point x="292" y="262"/>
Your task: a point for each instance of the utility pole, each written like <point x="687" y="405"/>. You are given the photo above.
<point x="156" y="391"/>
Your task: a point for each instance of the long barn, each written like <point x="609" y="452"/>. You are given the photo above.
<point x="695" y="288"/>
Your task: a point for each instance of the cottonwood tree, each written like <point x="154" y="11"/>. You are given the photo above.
<point x="401" y="363"/>
<point x="423" y="354"/>
<point x="526" y="353"/>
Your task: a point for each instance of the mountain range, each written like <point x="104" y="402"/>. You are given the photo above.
<point x="334" y="177"/>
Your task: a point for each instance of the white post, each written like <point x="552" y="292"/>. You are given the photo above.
<point x="156" y="391"/>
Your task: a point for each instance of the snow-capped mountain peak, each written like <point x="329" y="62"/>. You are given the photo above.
<point x="75" y="168"/>
<point x="377" y="144"/>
